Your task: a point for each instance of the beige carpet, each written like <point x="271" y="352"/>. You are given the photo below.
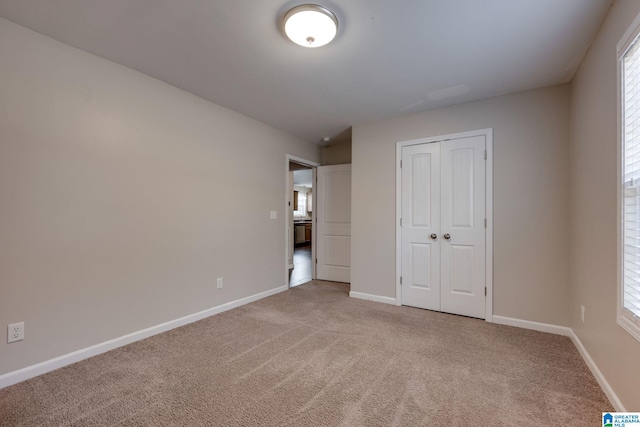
<point x="312" y="356"/>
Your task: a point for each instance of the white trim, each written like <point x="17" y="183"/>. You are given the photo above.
<point x="488" y="134"/>
<point x="23" y="374"/>
<point x="628" y="37"/>
<point x="534" y="326"/>
<point x="604" y="384"/>
<point x="398" y="218"/>
<point x="314" y="221"/>
<point x="626" y="322"/>
<point x="369" y="297"/>
<point x="622" y="317"/>
<point x="568" y="332"/>
<point x="290" y="158"/>
<point x="619" y="181"/>
<point x="488" y="271"/>
<point x="301" y="161"/>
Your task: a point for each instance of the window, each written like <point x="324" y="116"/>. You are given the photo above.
<point x="302" y="204"/>
<point x="629" y="287"/>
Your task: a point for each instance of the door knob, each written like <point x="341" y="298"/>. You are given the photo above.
<point x="447" y="236"/>
<point x="434" y="236"/>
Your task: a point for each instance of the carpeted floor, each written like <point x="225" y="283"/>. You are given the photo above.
<point x="312" y="356"/>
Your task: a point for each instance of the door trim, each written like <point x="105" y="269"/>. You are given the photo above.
<point x="488" y="134"/>
<point x="313" y="165"/>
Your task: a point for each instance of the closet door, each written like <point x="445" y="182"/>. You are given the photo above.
<point x="463" y="226"/>
<point x="421" y="226"/>
<point x="443" y="251"/>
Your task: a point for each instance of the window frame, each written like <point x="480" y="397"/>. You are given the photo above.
<point x="625" y="319"/>
<point x="304" y="211"/>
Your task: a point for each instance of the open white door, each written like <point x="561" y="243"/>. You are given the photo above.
<point x="333" y="210"/>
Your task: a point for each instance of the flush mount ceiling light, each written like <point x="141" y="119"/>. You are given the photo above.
<point x="310" y="25"/>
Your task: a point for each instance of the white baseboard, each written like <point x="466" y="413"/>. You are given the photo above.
<point x="535" y="326"/>
<point x="369" y="297"/>
<point x="23" y="374"/>
<point x="604" y="384"/>
<point x="563" y="330"/>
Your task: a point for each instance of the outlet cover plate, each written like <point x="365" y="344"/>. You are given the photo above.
<point x="15" y="332"/>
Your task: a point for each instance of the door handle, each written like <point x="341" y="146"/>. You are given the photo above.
<point x="447" y="236"/>
<point x="434" y="236"/>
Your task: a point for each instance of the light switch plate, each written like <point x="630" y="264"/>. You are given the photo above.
<point x="274" y="214"/>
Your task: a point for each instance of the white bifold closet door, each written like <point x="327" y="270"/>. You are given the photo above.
<point x="443" y="226"/>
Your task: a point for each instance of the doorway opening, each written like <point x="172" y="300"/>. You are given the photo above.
<point x="300" y="254"/>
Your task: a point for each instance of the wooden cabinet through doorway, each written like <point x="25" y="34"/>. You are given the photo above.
<point x="307" y="232"/>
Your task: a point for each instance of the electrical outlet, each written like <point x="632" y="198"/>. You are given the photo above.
<point x="582" y="310"/>
<point x="15" y="332"/>
<point x="219" y="285"/>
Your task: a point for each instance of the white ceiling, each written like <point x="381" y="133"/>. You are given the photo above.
<point x="390" y="57"/>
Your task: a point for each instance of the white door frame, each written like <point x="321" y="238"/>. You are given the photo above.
<point x="488" y="134"/>
<point x="313" y="165"/>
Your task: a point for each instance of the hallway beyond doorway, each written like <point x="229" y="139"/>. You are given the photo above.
<point x="301" y="272"/>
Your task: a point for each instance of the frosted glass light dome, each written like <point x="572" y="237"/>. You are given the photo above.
<point x="310" y="25"/>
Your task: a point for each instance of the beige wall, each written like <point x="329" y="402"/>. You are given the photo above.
<point x="122" y="199"/>
<point x="337" y="154"/>
<point x="593" y="191"/>
<point x="531" y="135"/>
